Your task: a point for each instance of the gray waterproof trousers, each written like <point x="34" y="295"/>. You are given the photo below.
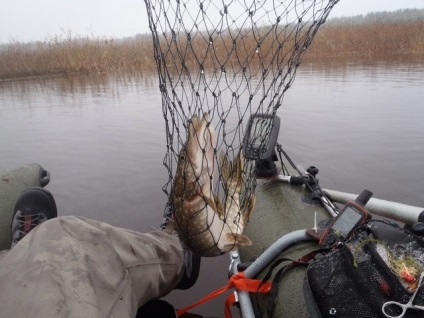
<point x="77" y="267"/>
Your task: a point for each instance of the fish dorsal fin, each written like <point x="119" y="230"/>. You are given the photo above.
<point x="239" y="239"/>
<point x="211" y="202"/>
<point x="215" y="204"/>
<point x="247" y="209"/>
<point x="225" y="169"/>
<point x="239" y="163"/>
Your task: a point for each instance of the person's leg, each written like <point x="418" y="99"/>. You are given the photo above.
<point x="154" y="261"/>
<point x="82" y="267"/>
<point x="79" y="267"/>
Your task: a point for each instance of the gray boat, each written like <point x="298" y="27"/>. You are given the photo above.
<point x="287" y="221"/>
<point x="283" y="226"/>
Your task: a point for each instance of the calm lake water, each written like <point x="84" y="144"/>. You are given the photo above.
<point x="103" y="140"/>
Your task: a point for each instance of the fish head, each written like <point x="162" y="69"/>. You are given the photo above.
<point x="196" y="162"/>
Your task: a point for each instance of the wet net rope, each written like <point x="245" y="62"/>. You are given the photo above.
<point x="229" y="59"/>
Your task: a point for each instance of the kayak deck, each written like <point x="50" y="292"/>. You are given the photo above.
<point x="280" y="210"/>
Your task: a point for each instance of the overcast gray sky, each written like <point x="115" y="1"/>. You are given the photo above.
<point x="38" y="20"/>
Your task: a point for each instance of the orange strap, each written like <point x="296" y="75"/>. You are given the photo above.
<point x="237" y="281"/>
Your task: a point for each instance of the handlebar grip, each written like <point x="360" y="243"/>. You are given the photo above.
<point x="364" y="197"/>
<point x="297" y="180"/>
<point x="44" y="177"/>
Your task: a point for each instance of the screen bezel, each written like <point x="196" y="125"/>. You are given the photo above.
<point x="332" y="231"/>
<point x="261" y="150"/>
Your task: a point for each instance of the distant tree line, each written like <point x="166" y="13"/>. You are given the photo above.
<point x="398" y="16"/>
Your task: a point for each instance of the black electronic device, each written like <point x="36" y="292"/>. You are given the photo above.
<point x="261" y="136"/>
<point x="352" y="216"/>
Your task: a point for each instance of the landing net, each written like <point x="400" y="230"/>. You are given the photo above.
<point x="230" y="59"/>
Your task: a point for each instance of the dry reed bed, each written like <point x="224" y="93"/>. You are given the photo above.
<point x="375" y="40"/>
<point x="74" y="55"/>
<point x="88" y="55"/>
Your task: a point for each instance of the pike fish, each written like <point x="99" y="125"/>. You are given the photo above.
<point x="205" y="224"/>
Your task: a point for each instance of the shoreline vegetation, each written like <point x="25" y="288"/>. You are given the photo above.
<point x="356" y="37"/>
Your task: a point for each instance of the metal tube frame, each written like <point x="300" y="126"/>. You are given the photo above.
<point x="260" y="263"/>
<point x="393" y="210"/>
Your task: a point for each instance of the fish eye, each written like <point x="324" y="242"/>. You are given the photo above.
<point x="182" y="157"/>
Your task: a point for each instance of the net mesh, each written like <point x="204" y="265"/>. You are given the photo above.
<point x="229" y="59"/>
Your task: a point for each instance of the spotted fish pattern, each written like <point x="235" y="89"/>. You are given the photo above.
<point x="208" y="226"/>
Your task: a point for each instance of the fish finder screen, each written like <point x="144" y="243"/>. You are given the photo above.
<point x="259" y="131"/>
<point x="346" y="221"/>
<point x="261" y="136"/>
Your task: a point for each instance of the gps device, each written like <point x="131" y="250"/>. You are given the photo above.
<point x="261" y="136"/>
<point x="352" y="216"/>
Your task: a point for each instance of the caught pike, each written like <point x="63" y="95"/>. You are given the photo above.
<point x="207" y="226"/>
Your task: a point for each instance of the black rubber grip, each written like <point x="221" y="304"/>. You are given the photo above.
<point x="297" y="180"/>
<point x="363" y="197"/>
<point x="421" y="216"/>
